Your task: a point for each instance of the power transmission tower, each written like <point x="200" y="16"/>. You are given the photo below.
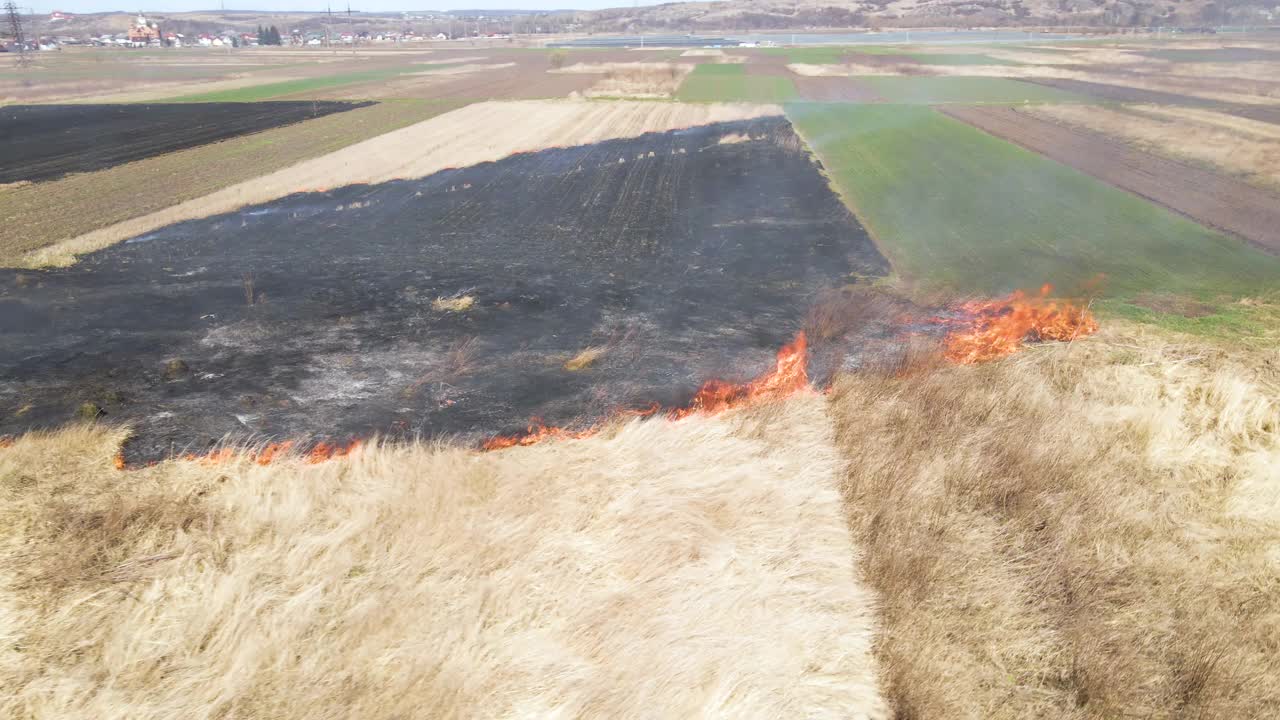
<point x="15" y="28"/>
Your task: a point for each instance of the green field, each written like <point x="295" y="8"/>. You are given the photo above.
<point x="956" y="209"/>
<point x="933" y="90"/>
<point x="302" y="86"/>
<point x="730" y="83"/>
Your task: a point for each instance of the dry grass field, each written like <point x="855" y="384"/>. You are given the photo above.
<point x="1086" y="530"/>
<point x="565" y="579"/>
<point x="638" y="80"/>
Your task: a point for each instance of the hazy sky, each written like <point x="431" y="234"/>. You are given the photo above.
<point x="78" y="6"/>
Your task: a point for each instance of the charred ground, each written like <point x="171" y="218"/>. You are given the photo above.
<point x="41" y="142"/>
<point x="458" y="304"/>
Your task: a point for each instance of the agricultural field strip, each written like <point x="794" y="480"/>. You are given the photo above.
<point x="39" y="142"/>
<point x="987" y="216"/>
<point x="1205" y="196"/>
<point x="476" y="133"/>
<point x="35" y="215"/>
<point x="302" y="86"/>
<point x="712" y="82"/>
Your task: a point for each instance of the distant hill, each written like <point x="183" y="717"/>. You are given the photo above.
<point x="709" y="17"/>
<point x="798" y="14"/>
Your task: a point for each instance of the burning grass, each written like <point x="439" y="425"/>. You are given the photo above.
<point x="579" y="579"/>
<point x="1082" y="531"/>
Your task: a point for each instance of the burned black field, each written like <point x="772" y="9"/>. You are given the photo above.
<point x="457" y="305"/>
<point x="42" y="142"/>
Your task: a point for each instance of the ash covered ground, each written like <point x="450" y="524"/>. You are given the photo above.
<point x="457" y="305"/>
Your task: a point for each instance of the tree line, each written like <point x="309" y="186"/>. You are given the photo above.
<point x="269" y="36"/>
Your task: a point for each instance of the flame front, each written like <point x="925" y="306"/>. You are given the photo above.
<point x="998" y="328"/>
<point x="788" y="375"/>
<point x="985" y="330"/>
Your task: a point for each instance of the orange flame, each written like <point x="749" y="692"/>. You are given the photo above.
<point x="788" y="375"/>
<point x="998" y="328"/>
<point x="320" y="452"/>
<point x="536" y="433"/>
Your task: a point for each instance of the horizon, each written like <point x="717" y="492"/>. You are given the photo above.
<point x="87" y="7"/>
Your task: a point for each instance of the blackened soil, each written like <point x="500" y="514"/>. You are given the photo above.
<point x="448" y="305"/>
<point x="41" y="142"/>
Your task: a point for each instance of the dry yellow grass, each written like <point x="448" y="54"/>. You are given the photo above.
<point x="455" y="303"/>
<point x="586" y="358"/>
<point x="1083" y="531"/>
<point x="700" y="568"/>
<point x="1240" y="88"/>
<point x="477" y="133"/>
<point x="1248" y="148"/>
<point x="637" y="80"/>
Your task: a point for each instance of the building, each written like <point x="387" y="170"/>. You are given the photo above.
<point x="144" y="31"/>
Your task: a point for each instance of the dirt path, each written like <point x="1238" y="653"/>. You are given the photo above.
<point x="474" y="134"/>
<point x="1206" y="197"/>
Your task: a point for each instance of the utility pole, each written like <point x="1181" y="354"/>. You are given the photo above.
<point x="351" y="30"/>
<point x="328" y="29"/>
<point x="15" y="28"/>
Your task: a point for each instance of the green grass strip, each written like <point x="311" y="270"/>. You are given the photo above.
<point x="729" y="83"/>
<point x="957" y="209"/>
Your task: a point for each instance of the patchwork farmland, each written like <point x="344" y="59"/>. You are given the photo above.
<point x="466" y="379"/>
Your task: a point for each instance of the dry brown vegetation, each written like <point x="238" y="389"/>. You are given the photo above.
<point x="1253" y="82"/>
<point x="658" y="570"/>
<point x="1243" y="147"/>
<point x="632" y="80"/>
<point x="1082" y="531"/>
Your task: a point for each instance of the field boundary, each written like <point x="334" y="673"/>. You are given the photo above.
<point x="1207" y="197"/>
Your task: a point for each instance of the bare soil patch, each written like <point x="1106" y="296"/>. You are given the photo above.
<point x="834" y="89"/>
<point x="1204" y="196"/>
<point x="1121" y="93"/>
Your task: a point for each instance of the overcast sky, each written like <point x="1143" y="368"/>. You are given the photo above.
<point x="85" y="6"/>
